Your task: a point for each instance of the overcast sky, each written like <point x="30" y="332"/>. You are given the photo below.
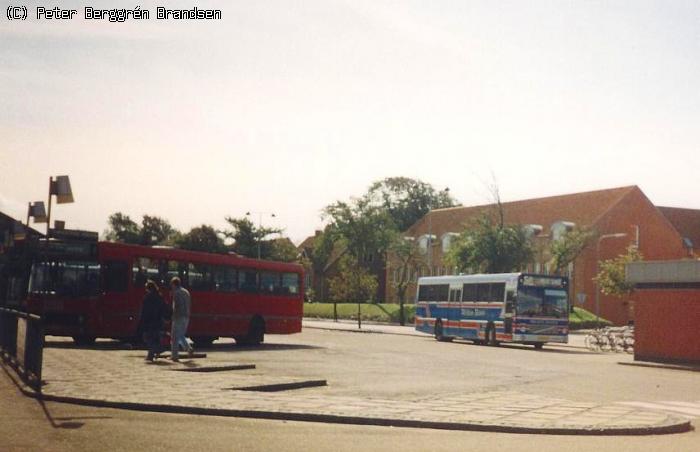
<point x="287" y="106"/>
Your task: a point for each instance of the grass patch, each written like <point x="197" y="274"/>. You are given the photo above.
<point x="389" y="313"/>
<point x="374" y="312"/>
<point x="581" y="319"/>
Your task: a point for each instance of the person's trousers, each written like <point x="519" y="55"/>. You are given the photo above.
<point x="177" y="336"/>
<point x="152" y="341"/>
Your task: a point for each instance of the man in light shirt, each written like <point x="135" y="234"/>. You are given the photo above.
<point x="182" y="304"/>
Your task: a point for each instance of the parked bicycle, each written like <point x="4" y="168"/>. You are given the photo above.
<point x="611" y="339"/>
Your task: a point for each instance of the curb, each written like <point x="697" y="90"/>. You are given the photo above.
<point x="678" y="427"/>
<point x="667" y="428"/>
<point x="662" y="366"/>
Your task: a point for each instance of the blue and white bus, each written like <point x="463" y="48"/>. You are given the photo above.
<point x="492" y="308"/>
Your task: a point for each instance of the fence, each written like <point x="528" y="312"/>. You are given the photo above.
<point x="22" y="344"/>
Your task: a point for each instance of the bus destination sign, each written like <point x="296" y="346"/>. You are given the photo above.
<point x="543" y="281"/>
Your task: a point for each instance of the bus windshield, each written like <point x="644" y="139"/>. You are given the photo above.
<point x="65" y="278"/>
<point x="543" y="302"/>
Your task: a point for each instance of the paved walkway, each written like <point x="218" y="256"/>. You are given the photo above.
<point x="121" y="378"/>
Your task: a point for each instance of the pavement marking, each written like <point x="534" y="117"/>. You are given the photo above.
<point x="688" y="410"/>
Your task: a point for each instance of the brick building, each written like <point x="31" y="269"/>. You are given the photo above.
<point x="659" y="233"/>
<point x="667" y="310"/>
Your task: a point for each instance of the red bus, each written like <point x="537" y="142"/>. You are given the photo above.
<point x="88" y="290"/>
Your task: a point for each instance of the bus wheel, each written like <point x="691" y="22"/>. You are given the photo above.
<point x="256" y="333"/>
<point x="538" y="345"/>
<point x="84" y="340"/>
<point x="439" y="332"/>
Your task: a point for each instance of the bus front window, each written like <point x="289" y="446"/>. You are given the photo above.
<point x="538" y="301"/>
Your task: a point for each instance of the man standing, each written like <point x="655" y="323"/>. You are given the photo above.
<point x="182" y="303"/>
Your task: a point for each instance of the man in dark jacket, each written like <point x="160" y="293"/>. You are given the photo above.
<point x="152" y="314"/>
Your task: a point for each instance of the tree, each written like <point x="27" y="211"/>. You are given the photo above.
<point x="491" y="246"/>
<point x="156" y="231"/>
<point x="407" y="200"/>
<point x="569" y="247"/>
<point x="202" y="238"/>
<point x="407" y="255"/>
<point x="363" y="227"/>
<point x="611" y="276"/>
<point x="249" y="239"/>
<point x="122" y="229"/>
<point x="283" y="250"/>
<point x="353" y="282"/>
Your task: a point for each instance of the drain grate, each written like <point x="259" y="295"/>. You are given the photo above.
<point x="276" y="387"/>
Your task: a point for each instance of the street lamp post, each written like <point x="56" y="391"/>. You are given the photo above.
<point x="37" y="211"/>
<point x="260" y="214"/>
<point x="430" y="233"/>
<point x="597" y="284"/>
<point x="61" y="188"/>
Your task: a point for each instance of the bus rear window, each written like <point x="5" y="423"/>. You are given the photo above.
<point x="434" y="292"/>
<point x="68" y="279"/>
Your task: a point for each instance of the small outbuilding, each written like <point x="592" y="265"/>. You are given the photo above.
<point x="667" y="310"/>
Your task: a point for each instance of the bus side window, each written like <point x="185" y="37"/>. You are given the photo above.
<point x="498" y="291"/>
<point x="200" y="277"/>
<point x="115" y="276"/>
<point x="469" y="292"/>
<point x="144" y="269"/>
<point x="483" y="292"/>
<point x="269" y="282"/>
<point x="248" y="281"/>
<point x="225" y="279"/>
<point x="290" y="283"/>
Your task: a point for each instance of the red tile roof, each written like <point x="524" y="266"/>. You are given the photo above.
<point x="581" y="208"/>
<point x="686" y="222"/>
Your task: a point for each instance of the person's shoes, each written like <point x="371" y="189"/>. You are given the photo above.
<point x="175" y="360"/>
<point x="190" y="352"/>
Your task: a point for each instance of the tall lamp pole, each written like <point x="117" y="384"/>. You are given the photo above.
<point x="260" y="214"/>
<point x="60" y="187"/>
<point x="430" y="233"/>
<point x="597" y="264"/>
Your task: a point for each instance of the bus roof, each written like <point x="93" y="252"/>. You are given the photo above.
<point x="125" y="250"/>
<point x="477" y="278"/>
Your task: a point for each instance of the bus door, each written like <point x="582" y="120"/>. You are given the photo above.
<point x="119" y="315"/>
<point x="508" y="310"/>
<point x="455" y="294"/>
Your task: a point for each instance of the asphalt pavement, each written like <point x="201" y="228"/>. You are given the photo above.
<point x="109" y="376"/>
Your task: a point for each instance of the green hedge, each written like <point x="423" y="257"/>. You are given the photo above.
<point x="375" y="312"/>
<point x="389" y="313"/>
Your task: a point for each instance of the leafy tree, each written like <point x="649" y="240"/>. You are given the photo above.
<point x="569" y="247"/>
<point x="248" y="239"/>
<point x="353" y="282"/>
<point x="156" y="231"/>
<point x="407" y="256"/>
<point x="283" y="250"/>
<point x="407" y="200"/>
<point x="364" y="228"/>
<point x="122" y="229"/>
<point x="611" y="276"/>
<point x="202" y="238"/>
<point x="491" y="246"/>
<point x="320" y="254"/>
